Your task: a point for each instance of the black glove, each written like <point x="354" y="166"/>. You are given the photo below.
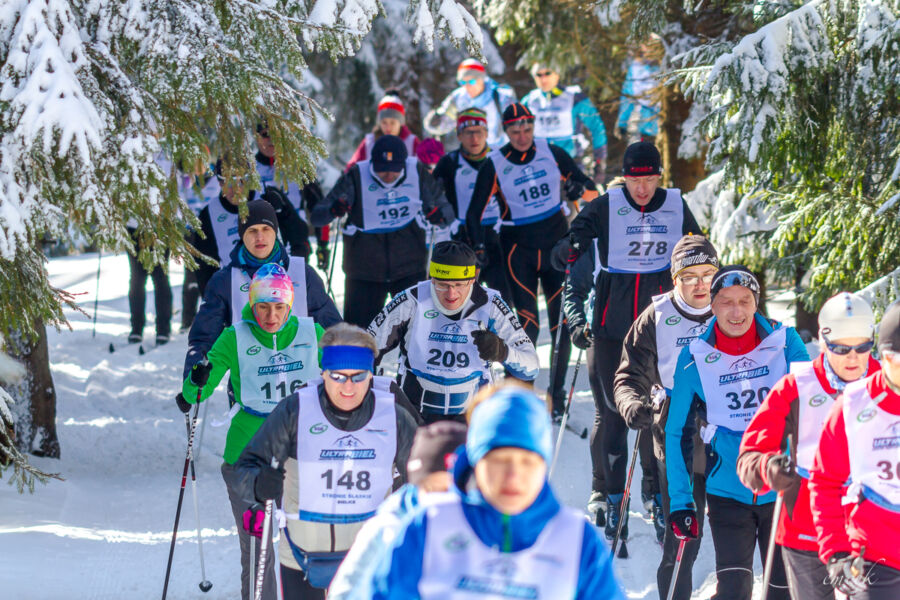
<point x="323" y="253"/>
<point x="340" y="207"/>
<point x="574" y="189"/>
<point x="684" y="524"/>
<point x="200" y="372"/>
<point x="582" y="336"/>
<point x="846" y="573"/>
<point x="436" y="217"/>
<point x="637" y="416"/>
<point x="183" y="405"/>
<point x="780" y="472"/>
<point x="277" y="199"/>
<point x="269" y="483"/>
<point x="564" y="254"/>
<point x="490" y="346"/>
<point x="481" y="257"/>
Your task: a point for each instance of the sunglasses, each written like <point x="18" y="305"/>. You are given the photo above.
<point x="544" y="74"/>
<point x="843" y="349"/>
<point x="341" y="378"/>
<point x="472" y="81"/>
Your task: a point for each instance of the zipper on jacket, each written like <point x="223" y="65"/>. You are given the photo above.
<point x="507" y="534"/>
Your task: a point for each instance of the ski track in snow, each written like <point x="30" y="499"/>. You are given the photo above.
<point x="105" y="531"/>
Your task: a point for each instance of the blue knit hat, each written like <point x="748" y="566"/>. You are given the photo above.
<point x="513" y="417"/>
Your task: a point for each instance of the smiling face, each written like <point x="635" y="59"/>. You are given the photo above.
<point x="510" y="479"/>
<point x="693" y="283"/>
<point x="734" y="308"/>
<point x="641" y="189"/>
<point x="452" y="294"/>
<point x="270" y="316"/>
<point x="349" y="394"/>
<point x="259" y="240"/>
<point x="546" y="79"/>
<point x="521" y="135"/>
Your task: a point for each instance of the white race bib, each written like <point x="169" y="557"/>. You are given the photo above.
<point x="532" y="191"/>
<point x="814" y="403"/>
<point x="553" y="118"/>
<point x="267" y="177"/>
<point x="464" y="184"/>
<point x="642" y="242"/>
<point x="225" y="228"/>
<point x="673" y="332"/>
<point x="388" y="209"/>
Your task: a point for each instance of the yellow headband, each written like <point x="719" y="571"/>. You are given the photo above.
<point x="451" y="272"/>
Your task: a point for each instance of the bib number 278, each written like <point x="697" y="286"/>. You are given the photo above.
<point x="646" y="248"/>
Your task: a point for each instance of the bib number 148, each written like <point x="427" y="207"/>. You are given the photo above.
<point x="347" y="479"/>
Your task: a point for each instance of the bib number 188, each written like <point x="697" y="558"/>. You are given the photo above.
<point x="535" y="192"/>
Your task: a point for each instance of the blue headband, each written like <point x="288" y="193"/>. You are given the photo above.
<point x="351" y="358"/>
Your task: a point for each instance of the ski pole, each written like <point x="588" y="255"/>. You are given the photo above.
<point x="622" y="510"/>
<point x="430" y="244"/>
<point x="263" y="545"/>
<point x="205" y="584"/>
<point x="192" y="427"/>
<point x="97" y="294"/>
<point x="681" y="544"/>
<point x="252" y="567"/>
<point x="554" y="359"/>
<point x="776" y="516"/>
<point x="562" y="425"/>
<point x="337" y="239"/>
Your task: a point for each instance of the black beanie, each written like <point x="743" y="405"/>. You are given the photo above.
<point x="693" y="250"/>
<point x="733" y="275"/>
<point x="433" y="449"/>
<point x="453" y="261"/>
<point x="515" y="113"/>
<point x="889" y="329"/>
<point x="641" y="158"/>
<point x="259" y="212"/>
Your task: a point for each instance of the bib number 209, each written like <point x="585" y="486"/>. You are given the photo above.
<point x="360" y="481"/>
<point x="448" y="359"/>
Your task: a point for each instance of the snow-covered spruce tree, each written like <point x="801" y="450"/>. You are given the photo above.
<point x="91" y="92"/>
<point x="803" y="117"/>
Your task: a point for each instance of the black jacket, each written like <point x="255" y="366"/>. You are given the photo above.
<point x="277" y="437"/>
<point x="620" y="297"/>
<point x="638" y="373"/>
<point x="382" y="257"/>
<point x="294" y="234"/>
<point x="541" y="234"/>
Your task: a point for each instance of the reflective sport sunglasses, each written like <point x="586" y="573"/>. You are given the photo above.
<point x="341" y="378"/>
<point x="843" y="349"/>
<point x="543" y="74"/>
<point x="472" y="81"/>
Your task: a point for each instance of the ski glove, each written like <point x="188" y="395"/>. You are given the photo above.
<point x="684" y="524"/>
<point x="780" y="473"/>
<point x="574" y="189"/>
<point x="481" y="258"/>
<point x="200" y="373"/>
<point x="269" y="483"/>
<point x="253" y="520"/>
<point x="490" y="346"/>
<point x="339" y="208"/>
<point x="323" y="253"/>
<point x="277" y="199"/>
<point x="637" y="416"/>
<point x="582" y="336"/>
<point x="436" y="217"/>
<point x="564" y="254"/>
<point x="183" y="405"/>
<point x="846" y="573"/>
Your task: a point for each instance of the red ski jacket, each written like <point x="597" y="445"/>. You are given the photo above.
<point x="766" y="435"/>
<point x="861" y="524"/>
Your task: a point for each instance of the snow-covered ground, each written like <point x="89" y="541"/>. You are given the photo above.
<point x="104" y="532"/>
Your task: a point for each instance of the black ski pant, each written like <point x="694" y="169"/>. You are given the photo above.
<point x="190" y="296"/>
<point x="295" y="586"/>
<point x="137" y="295"/>
<point x="685" y="582"/>
<point x="883" y="583"/>
<point x="365" y="299"/>
<point x="806" y="575"/>
<point x="609" y="437"/>
<point x="526" y="267"/>
<point x="737" y="529"/>
<point x="494" y="274"/>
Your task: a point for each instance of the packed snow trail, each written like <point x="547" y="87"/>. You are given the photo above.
<point x="104" y="532"/>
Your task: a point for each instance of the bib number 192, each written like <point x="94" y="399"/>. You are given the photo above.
<point x="394" y="213"/>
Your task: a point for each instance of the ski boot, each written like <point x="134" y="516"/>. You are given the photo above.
<point x="613" y="514"/>
<point x="595" y="505"/>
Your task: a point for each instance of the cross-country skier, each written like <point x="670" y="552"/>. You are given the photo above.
<point x="636" y="229"/>
<point x="458" y="171"/>
<point x="384" y="240"/>
<point x="559" y="114"/>
<point x="390" y="119"/>
<point x="430" y="460"/>
<point x="476" y="90"/>
<point x="268" y="354"/>
<point x="337" y="442"/>
<point x="858" y="527"/>
<point x="797" y="406"/>
<point x="226" y="293"/>
<point x="301" y="197"/>
<point x="526" y="177"/>
<point x="645" y="377"/>
<point x="449" y="330"/>
<point x="724" y="376"/>
<point x="220" y="226"/>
